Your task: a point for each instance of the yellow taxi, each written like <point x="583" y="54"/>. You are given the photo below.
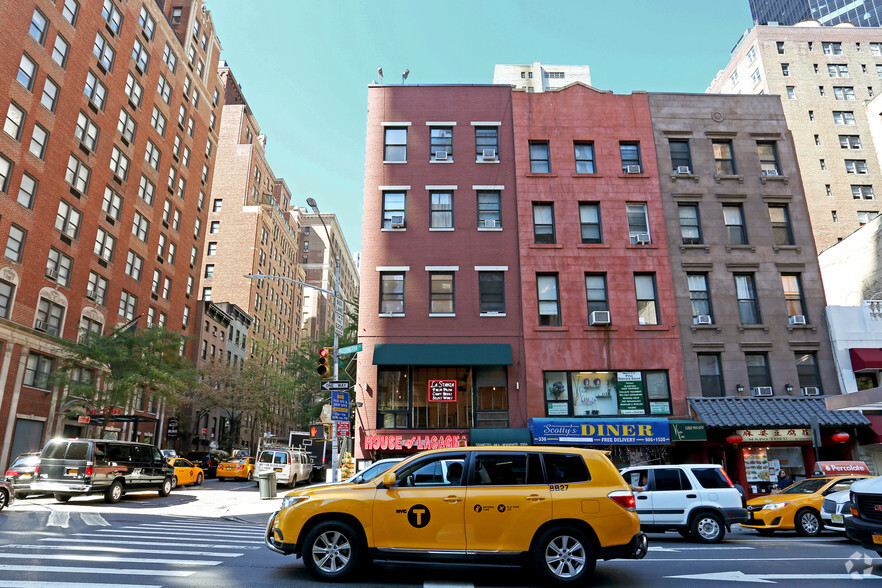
<point x="237" y="468"/>
<point x="796" y="507"/>
<point x="560" y="509"/>
<point x="186" y="472"/>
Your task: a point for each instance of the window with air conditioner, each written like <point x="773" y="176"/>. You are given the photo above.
<point x="758" y="372"/>
<point x="630" y="154"/>
<point x="638" y="222"/>
<point x="394" y="210"/>
<point x="794" y="298"/>
<point x="441" y="143"/>
<point x="489" y="209"/>
<point x="486" y="144"/>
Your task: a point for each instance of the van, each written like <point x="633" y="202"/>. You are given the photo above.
<point x="79" y="467"/>
<point x="290" y="465"/>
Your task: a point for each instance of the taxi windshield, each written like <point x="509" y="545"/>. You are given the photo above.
<point x="237" y="460"/>
<point x="806" y="486"/>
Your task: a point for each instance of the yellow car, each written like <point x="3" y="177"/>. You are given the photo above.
<point x="796" y="507"/>
<point x="237" y="468"/>
<point x="559" y="509"/>
<point x="186" y="472"/>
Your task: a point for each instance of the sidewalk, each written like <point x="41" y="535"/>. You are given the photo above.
<point x="249" y="508"/>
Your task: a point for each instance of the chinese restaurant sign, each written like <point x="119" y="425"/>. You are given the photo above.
<point x="780" y="434"/>
<point x="442" y="390"/>
<point x="600" y="431"/>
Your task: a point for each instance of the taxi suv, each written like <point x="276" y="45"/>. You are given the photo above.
<point x="559" y="509"/>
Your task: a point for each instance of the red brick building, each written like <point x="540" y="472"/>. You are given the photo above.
<point x="105" y="166"/>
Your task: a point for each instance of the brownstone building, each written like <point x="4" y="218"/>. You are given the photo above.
<point x="105" y="167"/>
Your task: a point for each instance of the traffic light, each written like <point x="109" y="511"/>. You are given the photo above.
<point x="322" y="368"/>
<point x="319" y="432"/>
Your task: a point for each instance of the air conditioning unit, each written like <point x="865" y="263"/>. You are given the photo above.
<point x="41" y="326"/>
<point x="91" y="294"/>
<point x="51" y="273"/>
<point x="489" y="155"/>
<point x="440" y="156"/>
<point x="599" y="317"/>
<point x="798" y="319"/>
<point x="683" y="169"/>
<point x="641" y="239"/>
<point x="762" y="391"/>
<point x="810" y="391"/>
<point x="490" y="224"/>
<point x="632" y="169"/>
<point x="770" y="172"/>
<point x="396" y="222"/>
<point x="703" y="319"/>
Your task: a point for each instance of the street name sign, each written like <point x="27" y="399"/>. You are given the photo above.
<point x="350" y="349"/>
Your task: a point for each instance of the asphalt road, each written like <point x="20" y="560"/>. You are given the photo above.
<point x="147" y="541"/>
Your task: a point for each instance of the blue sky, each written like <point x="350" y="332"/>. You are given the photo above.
<point x="304" y="65"/>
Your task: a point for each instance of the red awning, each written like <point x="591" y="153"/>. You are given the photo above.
<point x="865" y="359"/>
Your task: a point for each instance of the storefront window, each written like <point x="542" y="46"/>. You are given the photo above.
<point x="392" y="397"/>
<point x="557" y="396"/>
<point x="491" y="397"/>
<point x="442" y="415"/>
<point x="607" y="393"/>
<point x="658" y="392"/>
<point x="594" y="393"/>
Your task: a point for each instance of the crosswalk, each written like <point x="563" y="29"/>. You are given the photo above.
<point x="104" y="555"/>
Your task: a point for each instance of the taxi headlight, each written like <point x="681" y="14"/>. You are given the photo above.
<point x="775" y="506"/>
<point x="292" y="500"/>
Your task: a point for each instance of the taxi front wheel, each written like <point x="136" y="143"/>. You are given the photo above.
<point x="564" y="555"/>
<point x="332" y="551"/>
<point x="808" y="523"/>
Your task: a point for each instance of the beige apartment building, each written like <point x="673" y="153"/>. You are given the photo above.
<point x="825" y="76"/>
<point x="536" y="77"/>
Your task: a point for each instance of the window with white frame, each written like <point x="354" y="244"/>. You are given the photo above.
<point x="392" y="292"/>
<point x="112" y="203"/>
<point x="86" y="131"/>
<point x="58" y="267"/>
<point x="862" y="192"/>
<point x="140" y="227"/>
<point x="67" y="220"/>
<point x="850" y="142"/>
<point x="638" y="223"/>
<point x="843" y="92"/>
<point x="119" y="163"/>
<point x="856" y="166"/>
<point x="15" y="242"/>
<point x="111" y="14"/>
<point x="95" y="90"/>
<point x="157" y="120"/>
<point x="152" y="155"/>
<point x="97" y="288"/>
<point x="128" y="303"/>
<point x="14" y="121"/>
<point x="134" y="265"/>
<point x="394" y="212"/>
<point x="146" y="190"/>
<point x="837" y="70"/>
<point x="134" y="90"/>
<point x="104" y="245"/>
<point x="147" y="23"/>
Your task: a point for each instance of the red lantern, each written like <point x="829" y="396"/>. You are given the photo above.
<point x="841" y="437"/>
<point x="734" y="439"/>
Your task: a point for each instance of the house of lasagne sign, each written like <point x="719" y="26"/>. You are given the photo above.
<point x="780" y="434"/>
<point x="442" y="390"/>
<point x="600" y="431"/>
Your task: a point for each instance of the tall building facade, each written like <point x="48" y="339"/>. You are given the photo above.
<point x="536" y="77"/>
<point x="862" y="13"/>
<point x="105" y="164"/>
<point x="824" y="76"/>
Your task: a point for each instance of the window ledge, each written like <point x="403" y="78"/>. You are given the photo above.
<point x="492" y="314"/>
<point x="390" y="315"/>
<point x="442" y="161"/>
<point x="695" y="178"/>
<point x="490" y="229"/>
<point x="640" y="175"/>
<point x="589" y="328"/>
<point x="532" y="175"/>
<point x="441" y="229"/>
<point x="636" y="246"/>
<point x="442" y="314"/>
<point x="809" y="327"/>
<point x="742" y="328"/>
<point x="545" y="246"/>
<point x="651" y="328"/>
<point x="695" y="247"/>
<point x="738" y="178"/>
<point x="592" y="245"/>
<point x="750" y="248"/>
<point x="392" y="230"/>
<point x="393" y="162"/>
<point x="785" y="179"/>
<point x="796" y="248"/>
<point x="577" y="175"/>
<point x="551" y="329"/>
<point x="716" y="328"/>
<point x="487" y="161"/>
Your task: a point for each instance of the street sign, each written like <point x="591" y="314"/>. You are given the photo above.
<point x="83" y="419"/>
<point x="172" y="430"/>
<point x="336" y="385"/>
<point x="351" y="349"/>
<point x="340" y="406"/>
<point x="339" y="309"/>
<point x="343" y="429"/>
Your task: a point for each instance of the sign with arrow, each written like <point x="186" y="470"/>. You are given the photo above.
<point x="336" y="385"/>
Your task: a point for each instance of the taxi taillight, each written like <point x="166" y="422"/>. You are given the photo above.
<point x="12" y="474"/>
<point x="89" y="471"/>
<point x="625" y="499"/>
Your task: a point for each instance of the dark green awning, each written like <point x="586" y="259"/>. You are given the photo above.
<point x="687" y="430"/>
<point x="442" y="354"/>
<point x="511" y="437"/>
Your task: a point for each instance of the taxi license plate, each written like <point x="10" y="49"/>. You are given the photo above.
<point x="877" y="538"/>
<point x="836" y="518"/>
<point x="229" y="467"/>
<point x="73" y="472"/>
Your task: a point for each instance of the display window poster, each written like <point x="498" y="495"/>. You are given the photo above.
<point x="594" y="393"/>
<point x="756" y="465"/>
<point x="629" y="388"/>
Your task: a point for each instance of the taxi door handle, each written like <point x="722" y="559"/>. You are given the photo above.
<point x="535" y="498"/>
<point x="692" y="496"/>
<point x="452" y="499"/>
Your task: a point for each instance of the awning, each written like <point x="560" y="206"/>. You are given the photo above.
<point x="513" y="437"/>
<point x="870" y="399"/>
<point x="687" y="430"/>
<point x="865" y="359"/>
<point x="754" y="413"/>
<point x="442" y="354"/>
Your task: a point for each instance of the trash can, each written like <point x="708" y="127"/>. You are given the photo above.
<point x="266" y="482"/>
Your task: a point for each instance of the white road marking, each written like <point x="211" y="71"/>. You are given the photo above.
<point x="111" y="558"/>
<point x="428" y="584"/>
<point x="96" y="571"/>
<point x="120" y="533"/>
<point x="739" y="576"/>
<point x="190" y="532"/>
<point x="93" y="519"/>
<point x="161" y="543"/>
<point x="750" y="559"/>
<point x="676" y="549"/>
<point x="41" y="584"/>
<point x="59" y="518"/>
<point x="124" y="550"/>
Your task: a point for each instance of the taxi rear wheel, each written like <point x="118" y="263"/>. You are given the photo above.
<point x="332" y="551"/>
<point x="199" y="480"/>
<point x="564" y="555"/>
<point x="808" y="524"/>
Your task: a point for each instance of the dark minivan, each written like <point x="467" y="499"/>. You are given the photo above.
<point x="77" y="467"/>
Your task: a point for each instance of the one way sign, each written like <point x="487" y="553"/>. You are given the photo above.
<point x="336" y="385"/>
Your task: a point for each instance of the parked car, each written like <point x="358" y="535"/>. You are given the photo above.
<point x="835" y="509"/>
<point x="238" y="468"/>
<point x="696" y="500"/>
<point x="290" y="465"/>
<point x="21" y="472"/>
<point x="865" y="523"/>
<point x="497" y="500"/>
<point x="186" y="472"/>
<point x="796" y="507"/>
<point x="204" y="460"/>
<point x="7" y="496"/>
<point x="79" y="467"/>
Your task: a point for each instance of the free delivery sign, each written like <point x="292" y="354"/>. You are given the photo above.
<point x="600" y="431"/>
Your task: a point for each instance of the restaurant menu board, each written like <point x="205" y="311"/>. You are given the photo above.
<point x="757" y="466"/>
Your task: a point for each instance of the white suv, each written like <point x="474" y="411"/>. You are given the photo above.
<point x="695" y="499"/>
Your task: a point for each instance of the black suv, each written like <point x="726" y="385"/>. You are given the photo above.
<point x="865" y="524"/>
<point x="205" y="461"/>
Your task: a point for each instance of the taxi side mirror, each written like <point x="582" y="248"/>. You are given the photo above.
<point x="389" y="479"/>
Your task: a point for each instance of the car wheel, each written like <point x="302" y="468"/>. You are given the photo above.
<point x="175" y="482"/>
<point x="808" y="524"/>
<point x="114" y="493"/>
<point x="564" y="555"/>
<point x="62" y="497"/>
<point x="332" y="551"/>
<point x="685" y="533"/>
<point x="166" y="487"/>
<point x="250" y="476"/>
<point x="766" y="532"/>
<point x="708" y="527"/>
<point x="199" y="480"/>
<point x="4" y="499"/>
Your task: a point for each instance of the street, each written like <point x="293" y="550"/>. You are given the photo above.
<point x="212" y="535"/>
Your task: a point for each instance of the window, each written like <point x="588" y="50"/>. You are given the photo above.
<point x="147" y="23"/>
<point x="540" y="162"/>
<point x="5" y="170"/>
<point x="126" y="126"/>
<point x="807" y="370"/>
<point x="160" y="246"/>
<point x="549" y="301"/>
<point x="157" y="120"/>
<point x="595" y="288"/>
<point x="780" y="46"/>
<point x="209" y="270"/>
<point x="67" y="220"/>
<point x="112" y="15"/>
<point x="441" y="213"/>
<point x="86" y="131"/>
<point x="104" y="244"/>
<point x="394" y="214"/>
<point x="638" y="223"/>
<point x="185" y="159"/>
<point x="856" y="166"/>
<point x="647" y="303"/>
<point x="14" y="121"/>
<point x="811" y="115"/>
<point x="172" y="252"/>
<point x="843" y="92"/>
<point x="780" y="219"/>
<point x="785" y="70"/>
<point x="876" y="49"/>
<point x="860" y="192"/>
<point x="837" y="70"/>
<point x="768" y="156"/>
<point x="27" y="71"/>
<point x="493" y="469"/>
<point x="112" y="203"/>
<point x="711" y="374"/>
<point x="699" y="295"/>
<point x="134" y="91"/>
<point x="182" y="186"/>
<point x="134" y="264"/>
<point x="589" y="222"/>
<point x="584" y="153"/>
<point x="39" y="138"/>
<point x="748" y="305"/>
<point x="60" y="51"/>
<point x="38" y="27"/>
<point x="7" y="291"/>
<point x="670" y="480"/>
<point x="491" y="292"/>
<point x="441" y="144"/>
<point x="95" y="90"/>
<point x="104" y="52"/>
<point x="214" y="227"/>
<point x="821" y="91"/>
<point x="166" y="287"/>
<point x="630" y="153"/>
<point x="119" y="164"/>
<point x="49" y="317"/>
<point x="146" y="190"/>
<point x="793" y="296"/>
<point x="751" y="55"/>
<point x="843" y="118"/>
<point x="543" y="223"/>
<point x="486" y="144"/>
<point x="391" y="293"/>
<point x="140" y="227"/>
<point x="169" y="58"/>
<point x="191" y="53"/>
<point x="15" y="242"/>
<point x="850" y="142"/>
<point x="163" y="88"/>
<point x="60" y="265"/>
<point x="212" y="249"/>
<point x="690" y="226"/>
<point x="97" y="288"/>
<point x="395" y="147"/>
<point x="733" y="218"/>
<point x="37" y="371"/>
<point x="823" y="164"/>
<point x="866" y="216"/>
<point x="489" y="209"/>
<point x="27" y="190"/>
<point x="70" y="10"/>
<point x="176" y="220"/>
<point x="681" y="159"/>
<point x="152" y="155"/>
<point x="724" y="158"/>
<point x="128" y="302"/>
<point x="832" y="48"/>
<point x="441" y="293"/>
<point x="756" y="77"/>
<point x="194" y="252"/>
<point x="758" y="374"/>
<point x="50" y="95"/>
